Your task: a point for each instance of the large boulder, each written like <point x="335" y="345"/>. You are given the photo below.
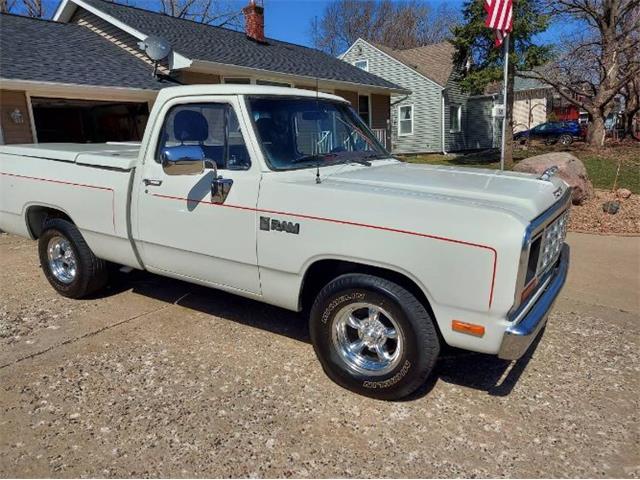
<point x="570" y="169"/>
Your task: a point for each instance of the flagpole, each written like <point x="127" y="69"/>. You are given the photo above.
<point x="504" y="100"/>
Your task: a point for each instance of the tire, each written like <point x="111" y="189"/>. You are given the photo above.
<point x="410" y="357"/>
<point x="67" y="261"/>
<point x="565" y="140"/>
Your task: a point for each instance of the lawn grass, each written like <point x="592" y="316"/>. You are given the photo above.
<point x="601" y="164"/>
<point x="602" y="173"/>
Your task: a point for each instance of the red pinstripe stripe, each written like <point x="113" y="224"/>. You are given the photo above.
<point x="56" y="181"/>
<point x="355" y="224"/>
<point x="62" y="182"/>
<point x="297" y="215"/>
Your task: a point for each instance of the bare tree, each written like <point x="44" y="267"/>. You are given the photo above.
<point x="211" y="12"/>
<point x="34" y="8"/>
<point x="7" y="6"/>
<point x="397" y="25"/>
<point x="631" y="94"/>
<point x="596" y="63"/>
<point x="31" y="8"/>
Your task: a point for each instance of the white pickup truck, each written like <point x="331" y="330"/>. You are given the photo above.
<point x="285" y="196"/>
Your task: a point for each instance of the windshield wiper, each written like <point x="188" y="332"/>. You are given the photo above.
<point x="364" y="162"/>
<point x="376" y="156"/>
<point x="314" y="158"/>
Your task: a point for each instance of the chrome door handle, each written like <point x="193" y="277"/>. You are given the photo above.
<point x="151" y="182"/>
<point x="220" y="188"/>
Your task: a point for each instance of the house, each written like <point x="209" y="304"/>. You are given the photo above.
<point x="533" y="101"/>
<point x="436" y="116"/>
<point x="84" y="77"/>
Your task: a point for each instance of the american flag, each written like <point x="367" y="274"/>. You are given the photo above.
<point x="499" y="17"/>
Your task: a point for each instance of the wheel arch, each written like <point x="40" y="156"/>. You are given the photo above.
<point x="321" y="271"/>
<point x="36" y="214"/>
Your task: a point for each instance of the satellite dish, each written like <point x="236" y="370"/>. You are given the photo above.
<point x="156" y="48"/>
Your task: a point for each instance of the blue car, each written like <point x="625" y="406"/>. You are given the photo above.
<point x="563" y="133"/>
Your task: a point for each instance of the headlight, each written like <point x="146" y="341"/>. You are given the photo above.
<point x="553" y="239"/>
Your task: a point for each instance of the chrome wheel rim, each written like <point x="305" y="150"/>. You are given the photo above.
<point x="367" y="338"/>
<point x="62" y="260"/>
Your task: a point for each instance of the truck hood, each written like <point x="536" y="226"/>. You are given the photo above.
<point x="521" y="194"/>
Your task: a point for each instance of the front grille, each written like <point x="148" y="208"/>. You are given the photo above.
<point x="532" y="264"/>
<point x="553" y="238"/>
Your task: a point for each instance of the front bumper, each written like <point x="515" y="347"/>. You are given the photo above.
<point x="529" y="320"/>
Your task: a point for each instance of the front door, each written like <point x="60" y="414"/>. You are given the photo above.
<point x="181" y="229"/>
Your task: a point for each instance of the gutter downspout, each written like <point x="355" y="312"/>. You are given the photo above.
<point x="444" y="148"/>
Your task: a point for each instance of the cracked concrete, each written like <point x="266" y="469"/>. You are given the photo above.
<point x="157" y="377"/>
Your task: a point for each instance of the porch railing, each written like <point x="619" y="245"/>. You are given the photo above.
<point x="381" y="135"/>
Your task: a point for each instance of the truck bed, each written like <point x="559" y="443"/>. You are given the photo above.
<point x="121" y="156"/>
<point x="88" y="182"/>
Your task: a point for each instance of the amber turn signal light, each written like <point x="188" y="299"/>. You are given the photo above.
<point x="468" y="328"/>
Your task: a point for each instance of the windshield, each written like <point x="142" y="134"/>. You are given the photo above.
<point x="299" y="132"/>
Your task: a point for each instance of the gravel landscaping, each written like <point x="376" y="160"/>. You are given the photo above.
<point x="590" y="216"/>
<point x="156" y="377"/>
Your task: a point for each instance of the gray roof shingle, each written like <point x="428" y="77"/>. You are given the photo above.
<point x="434" y="61"/>
<point x="520" y="84"/>
<point x="198" y="41"/>
<point x="46" y="51"/>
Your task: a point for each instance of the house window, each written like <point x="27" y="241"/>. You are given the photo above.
<point x="362" y="64"/>
<point x="455" y="118"/>
<point x="364" y="109"/>
<point x="405" y="120"/>
<point x="237" y="81"/>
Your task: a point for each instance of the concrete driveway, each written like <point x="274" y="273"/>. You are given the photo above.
<point x="162" y="378"/>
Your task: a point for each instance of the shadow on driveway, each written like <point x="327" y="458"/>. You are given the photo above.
<point x="468" y="369"/>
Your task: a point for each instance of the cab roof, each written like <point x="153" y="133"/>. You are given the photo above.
<point x="227" y="89"/>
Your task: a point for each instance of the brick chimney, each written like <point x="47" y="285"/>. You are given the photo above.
<point x="254" y="21"/>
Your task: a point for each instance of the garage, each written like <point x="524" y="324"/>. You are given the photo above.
<point x="61" y="82"/>
<point x="67" y="120"/>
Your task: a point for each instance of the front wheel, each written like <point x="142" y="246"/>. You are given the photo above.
<point x="373" y="337"/>
<point x="67" y="261"/>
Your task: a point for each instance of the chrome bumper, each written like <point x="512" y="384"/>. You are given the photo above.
<point x="528" y="323"/>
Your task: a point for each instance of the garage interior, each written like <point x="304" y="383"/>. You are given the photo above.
<point x="88" y="121"/>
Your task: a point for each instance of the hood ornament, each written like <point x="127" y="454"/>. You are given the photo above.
<point x="548" y="173"/>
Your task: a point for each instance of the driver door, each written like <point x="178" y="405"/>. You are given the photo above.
<point x="183" y="231"/>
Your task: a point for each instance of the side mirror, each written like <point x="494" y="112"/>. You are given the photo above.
<point x="183" y="160"/>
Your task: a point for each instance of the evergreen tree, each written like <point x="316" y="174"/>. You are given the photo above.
<point x="475" y="47"/>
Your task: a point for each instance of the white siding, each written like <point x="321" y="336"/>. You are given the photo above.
<point x="425" y="98"/>
<point x="527" y="113"/>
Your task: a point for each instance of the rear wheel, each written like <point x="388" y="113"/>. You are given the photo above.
<point x="565" y="140"/>
<point x="67" y="261"/>
<point x="373" y="337"/>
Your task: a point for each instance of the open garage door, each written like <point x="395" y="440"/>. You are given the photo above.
<point x="88" y="121"/>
